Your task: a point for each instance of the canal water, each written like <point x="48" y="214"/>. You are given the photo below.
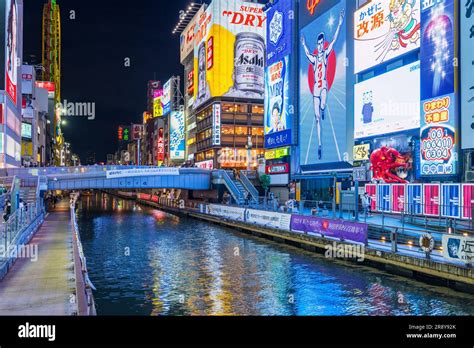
<point x="146" y="262"/>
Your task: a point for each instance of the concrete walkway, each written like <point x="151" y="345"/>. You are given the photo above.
<point x="43" y="287"/>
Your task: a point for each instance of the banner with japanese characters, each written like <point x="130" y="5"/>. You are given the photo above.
<point x="385" y="30"/>
<point x="467" y="73"/>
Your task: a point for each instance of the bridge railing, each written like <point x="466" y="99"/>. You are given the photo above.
<point x="84" y="296"/>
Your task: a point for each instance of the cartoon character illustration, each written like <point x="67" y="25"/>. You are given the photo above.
<point x="404" y="28"/>
<point x="389" y="166"/>
<point x="368" y="108"/>
<point x="277" y="123"/>
<point x="320" y="64"/>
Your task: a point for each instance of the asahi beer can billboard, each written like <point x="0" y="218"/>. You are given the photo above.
<point x="229" y="53"/>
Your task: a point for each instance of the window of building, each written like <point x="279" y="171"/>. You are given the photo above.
<point x="228" y="130"/>
<point x="234" y="108"/>
<point x="257" y="109"/>
<point x="256" y="131"/>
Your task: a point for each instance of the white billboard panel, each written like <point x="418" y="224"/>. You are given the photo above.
<point x="381" y="110"/>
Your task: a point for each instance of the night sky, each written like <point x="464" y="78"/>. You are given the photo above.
<point x="94" y="47"/>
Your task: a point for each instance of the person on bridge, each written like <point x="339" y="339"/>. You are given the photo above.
<point x="366" y="204"/>
<point x="7" y="209"/>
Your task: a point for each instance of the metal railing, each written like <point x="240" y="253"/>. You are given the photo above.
<point x="84" y="296"/>
<point x="249" y="186"/>
<point x="230" y="184"/>
<point x="18" y="222"/>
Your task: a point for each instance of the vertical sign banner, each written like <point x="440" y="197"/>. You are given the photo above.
<point x="431" y="193"/>
<point x="279" y="108"/>
<point x="229" y="53"/>
<point x="451" y="201"/>
<point x="12" y="57"/>
<point x="467" y="73"/>
<point x="415" y="199"/>
<point x="439" y="134"/>
<point x="166" y="98"/>
<point x="160" y="151"/>
<point x="467" y="201"/>
<point x="385" y="30"/>
<point x="216" y="124"/>
<point x="177" y="136"/>
<point x="398" y="198"/>
<point x="157" y="103"/>
<point x="384" y="198"/>
<point x="322" y="90"/>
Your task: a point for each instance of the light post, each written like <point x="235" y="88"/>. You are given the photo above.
<point x="249" y="152"/>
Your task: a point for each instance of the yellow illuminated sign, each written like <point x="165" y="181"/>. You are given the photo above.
<point x="361" y="152"/>
<point x="277" y="153"/>
<point x="157" y="107"/>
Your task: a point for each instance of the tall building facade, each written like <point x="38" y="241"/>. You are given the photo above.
<point x="51" y="61"/>
<point x="11" y="56"/>
<point x="224" y="58"/>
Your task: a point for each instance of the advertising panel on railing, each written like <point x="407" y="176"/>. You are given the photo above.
<point x="439" y="133"/>
<point x="398" y="198"/>
<point x="268" y="219"/>
<point x="229" y="54"/>
<point x="432" y="195"/>
<point x="458" y="248"/>
<point x="371" y="190"/>
<point x="224" y="211"/>
<point x="385" y="30"/>
<point x="126" y="173"/>
<point x="340" y="229"/>
<point x="467" y="201"/>
<point x="415" y="199"/>
<point x="279" y="103"/>
<point x="467" y="75"/>
<point x="380" y="110"/>
<point x="177" y="136"/>
<point x="384" y="198"/>
<point x="322" y="89"/>
<point x="451" y="201"/>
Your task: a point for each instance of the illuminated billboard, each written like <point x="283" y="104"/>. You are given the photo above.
<point x="158" y="103"/>
<point x="380" y="110"/>
<point x="166" y="98"/>
<point x="177" y="140"/>
<point x="26" y="130"/>
<point x="186" y="44"/>
<point x="229" y="54"/>
<point x="439" y="134"/>
<point x="467" y="75"/>
<point x="322" y="90"/>
<point x="384" y="30"/>
<point x="279" y="108"/>
<point x="13" y="54"/>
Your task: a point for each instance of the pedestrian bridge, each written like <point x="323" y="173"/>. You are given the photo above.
<point x="114" y="177"/>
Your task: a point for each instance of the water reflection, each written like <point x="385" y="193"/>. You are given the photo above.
<point x="146" y="262"/>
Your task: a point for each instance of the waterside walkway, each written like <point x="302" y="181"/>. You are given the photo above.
<point x="44" y="287"/>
